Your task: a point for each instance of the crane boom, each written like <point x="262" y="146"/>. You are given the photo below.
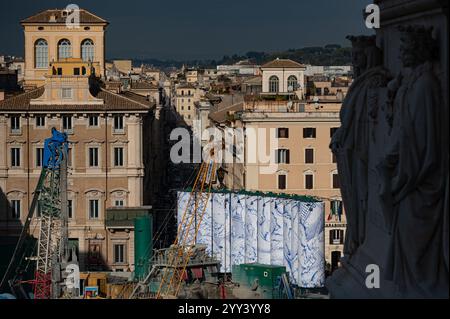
<point x="182" y="249"/>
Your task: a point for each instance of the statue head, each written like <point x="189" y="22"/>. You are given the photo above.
<point x="365" y="53"/>
<point x="417" y="45"/>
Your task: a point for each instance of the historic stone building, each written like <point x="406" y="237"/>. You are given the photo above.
<point x="49" y="39"/>
<point x="110" y="139"/>
<point x="283" y="76"/>
<point x="186" y="97"/>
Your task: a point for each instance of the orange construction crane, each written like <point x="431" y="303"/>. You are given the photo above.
<point x="182" y="248"/>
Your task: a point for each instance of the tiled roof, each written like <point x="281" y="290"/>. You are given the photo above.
<point x="186" y="86"/>
<point x="213" y="98"/>
<point x="21" y="101"/>
<point x="221" y="115"/>
<point x="254" y="81"/>
<point x="112" y="102"/>
<point x="135" y="97"/>
<point x="282" y="63"/>
<point x="142" y="86"/>
<point x="44" y="17"/>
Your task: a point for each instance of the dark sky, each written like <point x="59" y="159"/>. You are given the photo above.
<point x="198" y="29"/>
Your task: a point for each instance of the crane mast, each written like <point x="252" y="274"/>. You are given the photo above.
<point x="50" y="199"/>
<point x="52" y="203"/>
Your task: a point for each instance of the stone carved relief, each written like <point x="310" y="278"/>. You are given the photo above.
<point x="412" y="173"/>
<point x="350" y="142"/>
<point x="408" y="162"/>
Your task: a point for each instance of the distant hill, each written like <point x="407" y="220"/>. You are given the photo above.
<point x="331" y="54"/>
<point x="328" y="55"/>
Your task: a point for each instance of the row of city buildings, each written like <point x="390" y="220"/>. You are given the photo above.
<point x="114" y="159"/>
<point x="119" y="116"/>
<point x="300" y="103"/>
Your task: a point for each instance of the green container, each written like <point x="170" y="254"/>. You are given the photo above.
<point x="143" y="245"/>
<point x="268" y="278"/>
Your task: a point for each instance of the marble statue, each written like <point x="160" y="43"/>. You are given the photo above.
<point x="350" y="142"/>
<point x="412" y="174"/>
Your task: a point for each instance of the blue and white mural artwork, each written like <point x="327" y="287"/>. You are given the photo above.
<point x="241" y="228"/>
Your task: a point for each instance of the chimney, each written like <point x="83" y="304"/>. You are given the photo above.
<point x="2" y="95"/>
<point x="52" y="18"/>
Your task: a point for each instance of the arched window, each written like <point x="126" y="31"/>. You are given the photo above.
<point x="292" y="82"/>
<point x="41" y="54"/>
<point x="64" y="49"/>
<point x="274" y="84"/>
<point x="87" y="50"/>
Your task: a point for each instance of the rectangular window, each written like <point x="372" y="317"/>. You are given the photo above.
<point x="118" y="123"/>
<point x="309" y="181"/>
<point x="15" y="124"/>
<point x="282" y="156"/>
<point x="118" y="156"/>
<point x="59" y="71"/>
<point x="70" y="208"/>
<point x="334" y="158"/>
<point x="93" y="120"/>
<point x="15" y="209"/>
<point x="15" y="157"/>
<point x="309" y="132"/>
<point x="333" y="130"/>
<point x="336" y="181"/>
<point x="40" y="121"/>
<point x="281" y="181"/>
<point x="336" y="237"/>
<point x="39" y="156"/>
<point x="69" y="157"/>
<point x="283" y="133"/>
<point x="93" y="209"/>
<point x="309" y="156"/>
<point x="119" y="203"/>
<point x="67" y="123"/>
<point x="41" y="52"/>
<point x="119" y="254"/>
<point x="66" y="93"/>
<point x="76" y="71"/>
<point x="93" y="157"/>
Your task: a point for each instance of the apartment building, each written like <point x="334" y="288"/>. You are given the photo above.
<point x="186" y="97"/>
